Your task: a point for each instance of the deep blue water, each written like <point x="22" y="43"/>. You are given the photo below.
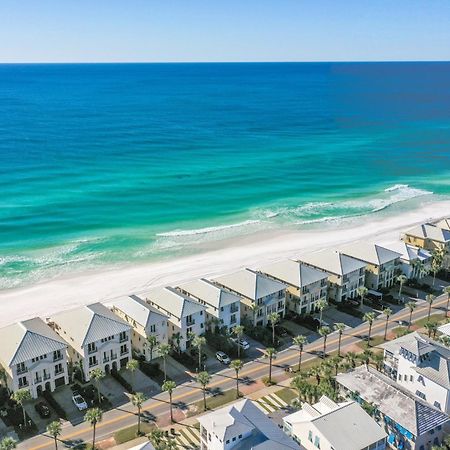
<point x="106" y="164"/>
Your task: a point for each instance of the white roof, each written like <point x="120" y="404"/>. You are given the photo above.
<point x="410" y="252"/>
<point x="210" y="293"/>
<point x="138" y="310"/>
<point x="294" y="273"/>
<point x="333" y="261"/>
<point x="346" y="426"/>
<point x="26" y="340"/>
<point x="370" y="253"/>
<point x="430" y="231"/>
<point x="250" y="284"/>
<point x="87" y="324"/>
<point x="244" y="416"/>
<point x="445" y="329"/>
<point x="173" y="302"/>
<point x="444" y="223"/>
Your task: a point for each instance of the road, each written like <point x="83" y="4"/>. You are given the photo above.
<point x="190" y="392"/>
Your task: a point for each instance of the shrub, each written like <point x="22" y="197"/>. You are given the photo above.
<point x="127" y="386"/>
<point x="348" y="309"/>
<point x="152" y="370"/>
<point x="266" y="381"/>
<point x="54" y="404"/>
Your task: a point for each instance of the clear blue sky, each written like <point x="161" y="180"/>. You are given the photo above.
<point x="223" y="30"/>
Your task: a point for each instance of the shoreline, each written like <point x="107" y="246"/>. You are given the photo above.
<point x="48" y="297"/>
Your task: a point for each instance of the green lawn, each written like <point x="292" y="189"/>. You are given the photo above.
<point x="374" y="341"/>
<point x="128" y="434"/>
<point x="433" y="318"/>
<point x="213" y="402"/>
<point x="286" y="394"/>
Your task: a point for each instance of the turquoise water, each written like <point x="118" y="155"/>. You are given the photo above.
<point x="112" y="164"/>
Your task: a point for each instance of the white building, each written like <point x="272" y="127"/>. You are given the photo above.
<point x="242" y="426"/>
<point x="146" y="321"/>
<point x="97" y="338"/>
<point x="222" y="306"/>
<point x="409" y="421"/>
<point x="186" y="316"/>
<point x="444" y="224"/>
<point x="422" y="366"/>
<point x="33" y="357"/>
<point x="415" y="261"/>
<point x="260" y="295"/>
<point x="381" y="263"/>
<point x="345" y="274"/>
<point x="305" y="285"/>
<point x="328" y="425"/>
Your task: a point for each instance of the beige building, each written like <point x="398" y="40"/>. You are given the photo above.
<point x="306" y="285"/>
<point x="146" y="321"/>
<point x="444" y="224"/>
<point x="415" y="261"/>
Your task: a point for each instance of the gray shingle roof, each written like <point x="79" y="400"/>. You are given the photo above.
<point x="371" y="253"/>
<point x="137" y="309"/>
<point x="333" y="261"/>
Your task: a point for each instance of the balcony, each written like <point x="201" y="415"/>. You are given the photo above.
<point x="92" y="350"/>
<point x="57" y="358"/>
<point x="190" y="322"/>
<point x="22" y="370"/>
<point x="234" y="309"/>
<point x="60" y="371"/>
<point x="105" y="360"/>
<point x="93" y="363"/>
<point x="123" y="351"/>
<point x="123" y="338"/>
<point x="47" y="376"/>
<point x="37" y="380"/>
<point x="23" y="384"/>
<point x="113" y="356"/>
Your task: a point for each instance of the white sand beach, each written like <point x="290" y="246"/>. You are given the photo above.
<point x="47" y="298"/>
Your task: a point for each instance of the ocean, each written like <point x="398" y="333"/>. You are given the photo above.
<point x="104" y="165"/>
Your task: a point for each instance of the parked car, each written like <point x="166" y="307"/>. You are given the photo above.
<point x="76" y="443"/>
<point x="403" y="323"/>
<point x="42" y="409"/>
<point x="223" y="358"/>
<point x="242" y="343"/>
<point x="79" y="401"/>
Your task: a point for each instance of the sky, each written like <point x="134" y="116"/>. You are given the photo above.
<point x="223" y="30"/>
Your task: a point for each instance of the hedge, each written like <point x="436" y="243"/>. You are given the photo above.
<point x="54" y="404"/>
<point x="127" y="386"/>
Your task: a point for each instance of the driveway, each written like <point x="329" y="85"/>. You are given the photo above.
<point x="40" y="423"/>
<point x="63" y="395"/>
<point x="141" y="382"/>
<point x="113" y="390"/>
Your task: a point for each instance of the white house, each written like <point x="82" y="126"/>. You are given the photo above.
<point x="422" y="366"/>
<point x="345" y="274"/>
<point x="328" y="425"/>
<point x="33" y="357"/>
<point x="242" y="426"/>
<point x="186" y="316"/>
<point x="306" y="285"/>
<point x="222" y="306"/>
<point x="146" y="321"/>
<point x="415" y="261"/>
<point x="97" y="338"/>
<point x="381" y="263"/>
<point x="260" y="295"/>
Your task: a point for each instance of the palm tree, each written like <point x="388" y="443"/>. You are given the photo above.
<point x="237" y="365"/>
<point x="8" y="443"/>
<point x="253" y="308"/>
<point x="274" y="318"/>
<point x="339" y="327"/>
<point x="401" y="281"/>
<point x="271" y="353"/>
<point x="411" y="306"/>
<point x="378" y="359"/>
<point x="350" y="357"/>
<point x="96" y="375"/>
<point x="137" y="400"/>
<point x="301" y="386"/>
<point x="177" y="338"/>
<point x="387" y="312"/>
<point x="436" y="262"/>
<point x="300" y="341"/>
<point x="152" y="343"/>
<point x="20" y="397"/>
<point x="203" y="378"/>
<point x="157" y="438"/>
<point x="321" y="305"/>
<point x="369" y="317"/>
<point x="164" y="350"/>
<point x="3" y="378"/>
<point x="362" y="292"/>
<point x="93" y="416"/>
<point x="169" y="386"/>
<point x="445" y="340"/>
<point x="324" y="332"/>
<point x="335" y="362"/>
<point x="170" y="444"/>
<point x="132" y="366"/>
<point x="430" y="299"/>
<point x="431" y="328"/>
<point x="446" y="290"/>
<point x="199" y="342"/>
<point x="315" y="372"/>
<point x="238" y="331"/>
<point x="54" y="430"/>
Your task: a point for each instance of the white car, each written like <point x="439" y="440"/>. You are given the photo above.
<point x="79" y="401"/>
<point x="242" y="343"/>
<point x="223" y="358"/>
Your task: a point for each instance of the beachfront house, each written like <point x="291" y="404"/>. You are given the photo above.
<point x="146" y="321"/>
<point x="260" y="295"/>
<point x="305" y="285"/>
<point x="422" y="366"/>
<point x="223" y="308"/>
<point x="97" y="338"/>
<point x="409" y="421"/>
<point x="186" y="316"/>
<point x="241" y="426"/>
<point x="328" y="425"/>
<point x="33" y="356"/>
<point x="415" y="261"/>
<point x="382" y="264"/>
<point x="444" y="224"/>
<point x="345" y="274"/>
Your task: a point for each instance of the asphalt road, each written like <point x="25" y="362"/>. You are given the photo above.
<point x="190" y="392"/>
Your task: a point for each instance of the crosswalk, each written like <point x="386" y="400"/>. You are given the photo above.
<point x="188" y="438"/>
<point x="270" y="403"/>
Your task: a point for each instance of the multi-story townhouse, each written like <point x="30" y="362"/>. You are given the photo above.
<point x="33" y="357"/>
<point x="260" y="295"/>
<point x="186" y="316"/>
<point x="146" y="321"/>
<point x="97" y="338"/>
<point x="328" y="425"/>
<point x="222" y="306"/>
<point x="345" y="274"/>
<point x="242" y="426"/>
<point x="415" y="261"/>
<point x="382" y="264"/>
<point x="306" y="285"/>
<point x="422" y="366"/>
<point x="444" y="224"/>
<point x="409" y="421"/>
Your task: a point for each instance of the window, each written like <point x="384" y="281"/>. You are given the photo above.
<point x="410" y="378"/>
<point x="234" y="439"/>
<point x="58" y="369"/>
<point x="57" y="355"/>
<point x="92" y="347"/>
<point x="92" y="361"/>
<point x="317" y="441"/>
<point x="123" y="349"/>
<point x="310" y="435"/>
<point x="152" y="328"/>
<point x="228" y="441"/>
<point x="437" y="405"/>
<point x="123" y="336"/>
<point x="240" y="436"/>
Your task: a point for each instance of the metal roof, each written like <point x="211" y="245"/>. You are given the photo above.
<point x="430" y="231"/>
<point x="372" y="253"/>
<point x="333" y="261"/>
<point x="138" y="310"/>
<point x="410" y="252"/>
<point x="444" y="223"/>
